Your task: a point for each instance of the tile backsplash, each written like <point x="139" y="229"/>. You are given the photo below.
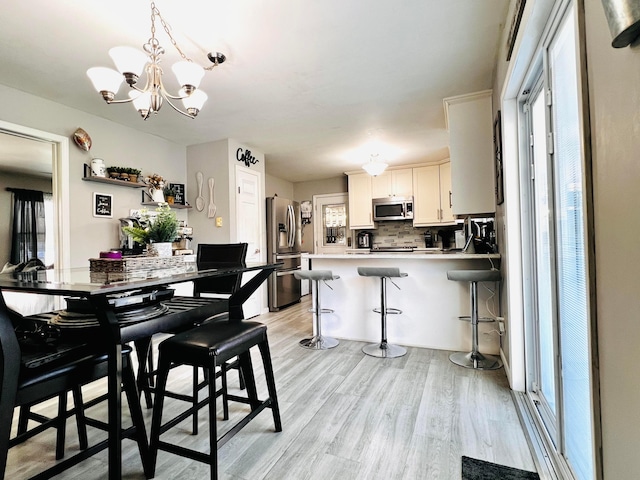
<point x="398" y="234"/>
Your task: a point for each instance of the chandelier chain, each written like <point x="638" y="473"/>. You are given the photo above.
<point x="167" y="28"/>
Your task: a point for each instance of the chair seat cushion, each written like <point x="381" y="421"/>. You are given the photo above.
<point x="315" y="275"/>
<point x="60" y="376"/>
<point x="474" y="275"/>
<point x="380" y="272"/>
<point x="223" y="340"/>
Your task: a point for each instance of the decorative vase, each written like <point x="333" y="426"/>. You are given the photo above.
<point x="97" y="168"/>
<point x="156" y="194"/>
<point x="171" y="200"/>
<point x="161" y="249"/>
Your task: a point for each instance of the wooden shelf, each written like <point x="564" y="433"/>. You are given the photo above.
<point x="123" y="183"/>
<point x="171" y="205"/>
<point x="112" y="181"/>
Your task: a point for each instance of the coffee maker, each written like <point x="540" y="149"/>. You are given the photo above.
<point x="127" y="244"/>
<point x="364" y="239"/>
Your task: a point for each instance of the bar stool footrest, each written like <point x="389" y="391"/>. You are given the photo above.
<point x="467" y="318"/>
<point x="389" y="311"/>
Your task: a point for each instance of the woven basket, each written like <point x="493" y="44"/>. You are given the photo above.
<point x="133" y="264"/>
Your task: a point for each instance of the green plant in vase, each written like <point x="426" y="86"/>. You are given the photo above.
<point x="169" y="194"/>
<point x="159" y="228"/>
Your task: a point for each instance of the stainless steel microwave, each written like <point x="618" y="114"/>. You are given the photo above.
<point x="393" y="208"/>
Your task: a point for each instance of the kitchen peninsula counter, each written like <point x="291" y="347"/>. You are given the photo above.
<point x="431" y="303"/>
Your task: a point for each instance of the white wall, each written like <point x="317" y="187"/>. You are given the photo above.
<point x="116" y="144"/>
<point x="277" y="186"/>
<point x="614" y="95"/>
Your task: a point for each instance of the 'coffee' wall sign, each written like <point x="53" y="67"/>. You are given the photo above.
<point x="246" y="157"/>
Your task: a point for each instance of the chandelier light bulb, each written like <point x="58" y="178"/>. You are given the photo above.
<point x="188" y="74"/>
<point x="106" y="81"/>
<point x="193" y="103"/>
<point x="129" y="61"/>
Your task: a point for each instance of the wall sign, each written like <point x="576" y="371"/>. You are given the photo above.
<point x="179" y="197"/>
<point x="102" y="205"/>
<point x="245" y="157"/>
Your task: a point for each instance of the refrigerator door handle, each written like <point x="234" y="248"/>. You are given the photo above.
<point x="291" y="226"/>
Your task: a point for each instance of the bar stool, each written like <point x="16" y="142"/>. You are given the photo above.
<point x="475" y="359"/>
<point x="317" y="342"/>
<point x="206" y="346"/>
<point x="383" y="349"/>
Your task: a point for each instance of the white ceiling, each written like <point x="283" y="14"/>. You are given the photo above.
<point x="308" y="83"/>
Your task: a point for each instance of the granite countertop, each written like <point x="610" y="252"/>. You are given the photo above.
<point x="418" y="253"/>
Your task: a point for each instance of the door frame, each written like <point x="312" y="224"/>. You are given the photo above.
<point x="59" y="183"/>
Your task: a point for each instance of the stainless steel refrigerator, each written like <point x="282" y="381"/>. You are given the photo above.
<point x="283" y="245"/>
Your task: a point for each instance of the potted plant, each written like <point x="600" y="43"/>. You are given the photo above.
<point x="114" y="172"/>
<point x="169" y="194"/>
<point x="133" y="174"/>
<point x="156" y="231"/>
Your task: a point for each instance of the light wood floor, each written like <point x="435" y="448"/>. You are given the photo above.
<point x="345" y="415"/>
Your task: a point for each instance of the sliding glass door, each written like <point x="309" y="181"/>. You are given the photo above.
<point x="559" y="351"/>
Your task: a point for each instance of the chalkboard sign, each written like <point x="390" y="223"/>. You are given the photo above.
<point x="102" y="205"/>
<point x="180" y="195"/>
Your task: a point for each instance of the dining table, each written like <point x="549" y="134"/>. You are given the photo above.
<point x="108" y="294"/>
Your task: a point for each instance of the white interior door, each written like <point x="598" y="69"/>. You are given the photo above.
<point x="250" y="220"/>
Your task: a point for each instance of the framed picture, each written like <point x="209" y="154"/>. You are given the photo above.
<point x="180" y="197"/>
<point x="102" y="205"/>
<point x="497" y="149"/>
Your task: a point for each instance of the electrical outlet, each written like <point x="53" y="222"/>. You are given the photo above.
<point x="218" y="221"/>
<point x="500" y="324"/>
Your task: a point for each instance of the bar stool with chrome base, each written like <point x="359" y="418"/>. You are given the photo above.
<point x="383" y="349"/>
<point x="475" y="359"/>
<point x="317" y="342"/>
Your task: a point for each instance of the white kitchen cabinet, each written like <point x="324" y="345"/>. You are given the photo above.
<point x="470" y="125"/>
<point x="431" y="195"/>
<point x="360" y="211"/>
<point x="393" y="183"/>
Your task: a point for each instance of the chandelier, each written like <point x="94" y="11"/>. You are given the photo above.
<point x="374" y="166"/>
<point x="131" y="62"/>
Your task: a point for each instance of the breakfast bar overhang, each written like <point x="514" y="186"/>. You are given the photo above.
<point x="430" y="303"/>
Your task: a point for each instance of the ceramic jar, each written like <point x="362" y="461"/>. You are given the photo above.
<point x="97" y="168"/>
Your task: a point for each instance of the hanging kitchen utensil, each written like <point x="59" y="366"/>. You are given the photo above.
<point x="199" y="198"/>
<point x="212" y="206"/>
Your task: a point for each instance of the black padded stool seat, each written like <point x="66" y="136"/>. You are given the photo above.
<point x="318" y="341"/>
<point x="475" y="359"/>
<point x="207" y="346"/>
<point x="383" y="349"/>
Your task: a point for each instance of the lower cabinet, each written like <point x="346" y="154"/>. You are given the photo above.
<point x="432" y="195"/>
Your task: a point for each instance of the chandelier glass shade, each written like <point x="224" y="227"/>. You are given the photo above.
<point x="132" y="64"/>
<point x="374" y="166"/>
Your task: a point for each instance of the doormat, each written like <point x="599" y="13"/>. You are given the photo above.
<point x="474" y="469"/>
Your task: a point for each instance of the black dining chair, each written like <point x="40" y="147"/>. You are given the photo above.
<point x="219" y="289"/>
<point x="24" y="383"/>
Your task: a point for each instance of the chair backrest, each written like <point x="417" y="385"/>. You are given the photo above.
<point x="220" y="255"/>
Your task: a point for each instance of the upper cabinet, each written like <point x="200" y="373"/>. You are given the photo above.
<point x="432" y="195"/>
<point x="360" y="209"/>
<point x="469" y="121"/>
<point x="393" y="183"/>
